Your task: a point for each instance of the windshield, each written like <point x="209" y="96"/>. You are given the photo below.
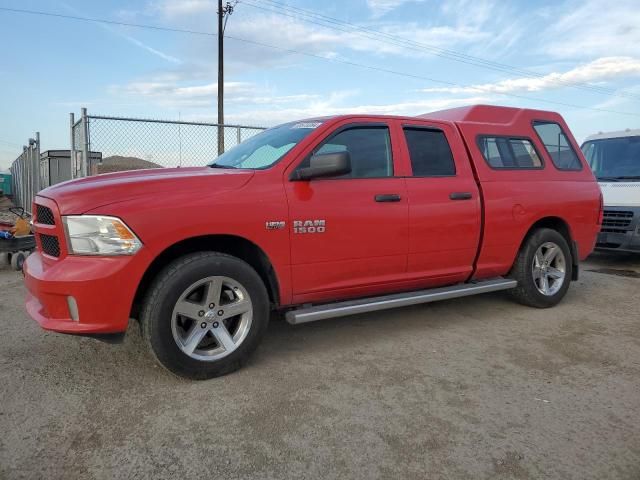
<point x="614" y="158"/>
<point x="266" y="148"/>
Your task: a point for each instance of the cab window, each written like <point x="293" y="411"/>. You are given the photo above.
<point x="509" y="153"/>
<point x="557" y="145"/>
<point x="429" y="152"/>
<point x="369" y="149"/>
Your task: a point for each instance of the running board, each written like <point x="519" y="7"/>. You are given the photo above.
<point x="372" y="304"/>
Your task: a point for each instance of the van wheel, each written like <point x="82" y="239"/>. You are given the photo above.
<point x="543" y="269"/>
<point x="205" y="314"/>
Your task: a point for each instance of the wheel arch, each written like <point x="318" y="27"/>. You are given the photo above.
<point x="234" y="245"/>
<point x="563" y="228"/>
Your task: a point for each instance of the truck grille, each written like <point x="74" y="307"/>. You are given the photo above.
<point x="616" y="221"/>
<point x="50" y="245"/>
<point x="44" y="215"/>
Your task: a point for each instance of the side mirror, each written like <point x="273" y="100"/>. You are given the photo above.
<point x="326" y="165"/>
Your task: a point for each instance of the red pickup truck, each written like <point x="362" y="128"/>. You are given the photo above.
<point x="318" y="218"/>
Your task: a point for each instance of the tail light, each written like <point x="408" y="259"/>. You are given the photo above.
<point x="601" y="211"/>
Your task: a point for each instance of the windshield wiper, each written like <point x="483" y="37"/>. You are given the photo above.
<point x="620" y="178"/>
<point x="215" y="165"/>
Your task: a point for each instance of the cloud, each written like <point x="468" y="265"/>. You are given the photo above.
<point x="479" y="27"/>
<point x="166" y="91"/>
<point x="253" y="104"/>
<point x="380" y="8"/>
<point x="127" y="15"/>
<point x="497" y="26"/>
<point x="602" y="69"/>
<point x="148" y="48"/>
<point x="171" y="8"/>
<point x="483" y="23"/>
<point x="588" y="28"/>
<point x="334" y="105"/>
<point x="296" y="35"/>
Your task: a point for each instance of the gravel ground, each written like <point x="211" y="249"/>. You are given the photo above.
<point x="474" y="388"/>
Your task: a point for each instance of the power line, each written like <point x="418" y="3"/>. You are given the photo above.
<point x="297" y="12"/>
<point x="378" y="33"/>
<point x="312" y="55"/>
<point x="109" y="22"/>
<point x="449" y="54"/>
<point x="346" y="27"/>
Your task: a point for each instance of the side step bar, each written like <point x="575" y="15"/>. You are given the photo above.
<point x="372" y="304"/>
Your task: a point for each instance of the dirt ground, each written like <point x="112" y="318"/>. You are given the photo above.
<point x="474" y="388"/>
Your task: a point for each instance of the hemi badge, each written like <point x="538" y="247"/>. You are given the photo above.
<point x="279" y="225"/>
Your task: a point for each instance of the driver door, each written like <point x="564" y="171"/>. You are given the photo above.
<point x="349" y="234"/>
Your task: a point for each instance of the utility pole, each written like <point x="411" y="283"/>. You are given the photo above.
<point x="223" y="15"/>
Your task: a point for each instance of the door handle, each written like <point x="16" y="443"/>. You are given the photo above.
<point x="460" y="196"/>
<point x="387" y="197"/>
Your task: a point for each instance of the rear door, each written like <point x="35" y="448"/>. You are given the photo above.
<point x="444" y="204"/>
<point x="349" y="234"/>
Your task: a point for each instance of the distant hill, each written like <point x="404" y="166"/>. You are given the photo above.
<point x="117" y="163"/>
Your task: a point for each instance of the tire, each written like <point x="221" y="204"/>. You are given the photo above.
<point x="17" y="261"/>
<point x="204" y="315"/>
<point x="544" y="260"/>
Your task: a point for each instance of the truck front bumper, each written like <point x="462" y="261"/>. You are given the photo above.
<point x="620" y="229"/>
<point x="81" y="295"/>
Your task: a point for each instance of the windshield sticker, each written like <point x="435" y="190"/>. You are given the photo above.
<point x="307" y="125"/>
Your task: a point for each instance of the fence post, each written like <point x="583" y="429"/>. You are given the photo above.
<point x="35" y="161"/>
<point x="85" y="143"/>
<point x="72" y="147"/>
<point x="32" y="180"/>
<point x="239" y="135"/>
<point x="26" y="183"/>
<point x="19" y="178"/>
<point x="24" y="176"/>
<point x="220" y="139"/>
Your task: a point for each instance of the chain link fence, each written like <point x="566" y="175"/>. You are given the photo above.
<point x="135" y="143"/>
<point x="101" y="144"/>
<point x="26" y="174"/>
<point x="77" y="148"/>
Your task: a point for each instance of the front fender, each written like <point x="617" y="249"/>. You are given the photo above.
<point x="179" y="216"/>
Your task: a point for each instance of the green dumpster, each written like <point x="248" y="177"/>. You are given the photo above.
<point x="5" y="183"/>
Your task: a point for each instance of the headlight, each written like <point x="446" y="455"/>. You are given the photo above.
<point x="98" y="235"/>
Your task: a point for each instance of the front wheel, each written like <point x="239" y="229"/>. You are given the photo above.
<point x="543" y="269"/>
<point x="205" y="314"/>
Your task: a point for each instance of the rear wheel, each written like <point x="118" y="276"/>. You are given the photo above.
<point x="205" y="314"/>
<point x="543" y="269"/>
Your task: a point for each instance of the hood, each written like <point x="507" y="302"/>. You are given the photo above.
<point x="83" y="194"/>
<point x="621" y="194"/>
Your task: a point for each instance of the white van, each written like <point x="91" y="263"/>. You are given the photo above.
<point x="615" y="160"/>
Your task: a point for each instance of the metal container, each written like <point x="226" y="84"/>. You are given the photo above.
<point x="5" y="183"/>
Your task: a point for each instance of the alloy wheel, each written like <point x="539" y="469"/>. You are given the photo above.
<point x="549" y="268"/>
<point x="212" y="318"/>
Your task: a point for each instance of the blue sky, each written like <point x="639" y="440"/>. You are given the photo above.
<point x="52" y="66"/>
